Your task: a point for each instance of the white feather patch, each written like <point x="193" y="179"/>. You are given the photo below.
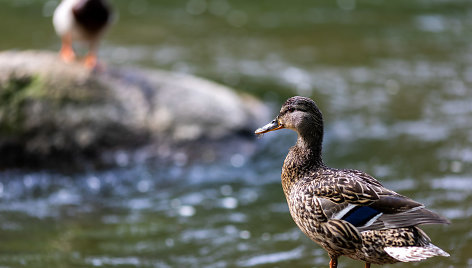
<point x="407" y="254"/>
<point x="63" y="19"/>
<point x="372" y="220"/>
<point x="343" y="212"/>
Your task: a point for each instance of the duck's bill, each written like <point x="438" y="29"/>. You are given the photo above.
<point x="274" y="125"/>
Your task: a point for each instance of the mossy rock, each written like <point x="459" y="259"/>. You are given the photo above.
<point x="50" y="109"/>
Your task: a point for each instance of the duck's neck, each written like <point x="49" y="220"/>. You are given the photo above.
<point x="302" y="158"/>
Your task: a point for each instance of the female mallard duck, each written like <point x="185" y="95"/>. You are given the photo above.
<point x="81" y="20"/>
<point x="347" y="211"/>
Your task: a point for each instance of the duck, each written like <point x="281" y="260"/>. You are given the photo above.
<point x="81" y="20"/>
<point x="346" y="211"/>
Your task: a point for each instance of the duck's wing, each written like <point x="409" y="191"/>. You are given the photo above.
<point x="361" y="200"/>
<point x="349" y="186"/>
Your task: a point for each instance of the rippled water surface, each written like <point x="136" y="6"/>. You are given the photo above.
<point x="393" y="79"/>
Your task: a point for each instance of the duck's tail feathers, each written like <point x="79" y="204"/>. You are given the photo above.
<point x="407" y="254"/>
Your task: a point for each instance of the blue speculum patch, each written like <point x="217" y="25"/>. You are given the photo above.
<point x="359" y="216"/>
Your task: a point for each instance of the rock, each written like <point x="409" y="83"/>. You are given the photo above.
<point x="52" y="110"/>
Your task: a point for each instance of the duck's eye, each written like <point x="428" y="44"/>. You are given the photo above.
<point x="291" y="109"/>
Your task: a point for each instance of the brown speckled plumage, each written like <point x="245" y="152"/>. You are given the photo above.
<point x="347" y="212"/>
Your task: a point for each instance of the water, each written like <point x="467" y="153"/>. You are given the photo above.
<point x="392" y="78"/>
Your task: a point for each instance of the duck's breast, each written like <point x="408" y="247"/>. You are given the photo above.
<point x="63" y="20"/>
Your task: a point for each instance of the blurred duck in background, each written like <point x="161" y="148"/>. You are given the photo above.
<point x="81" y="20"/>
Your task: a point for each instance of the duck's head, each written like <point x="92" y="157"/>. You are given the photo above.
<point x="301" y="115"/>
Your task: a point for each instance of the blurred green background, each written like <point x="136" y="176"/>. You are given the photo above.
<point x="393" y="79"/>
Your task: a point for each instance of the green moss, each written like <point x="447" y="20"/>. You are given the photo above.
<point x="14" y="94"/>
